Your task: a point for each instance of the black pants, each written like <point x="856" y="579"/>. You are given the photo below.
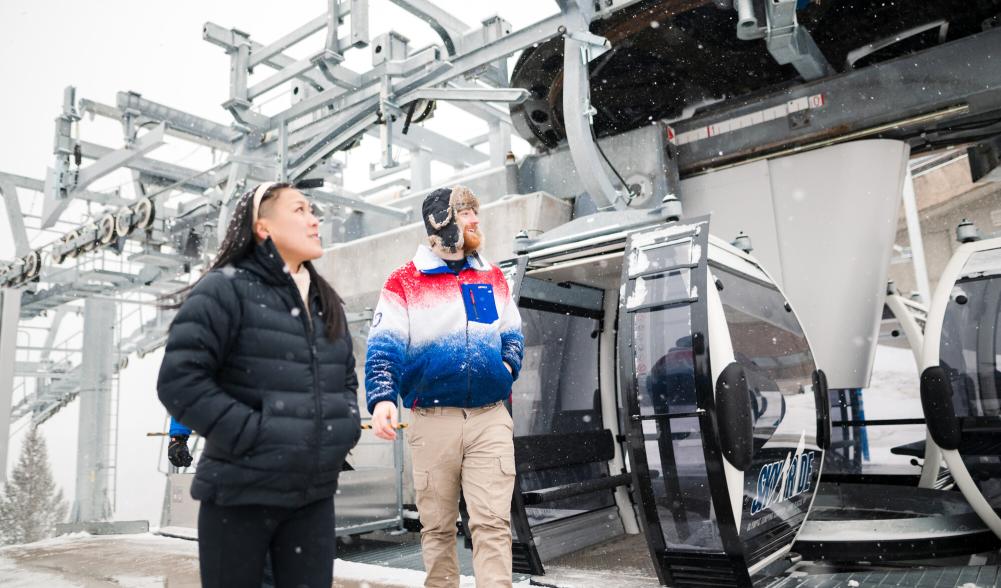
<point x="233" y="542"/>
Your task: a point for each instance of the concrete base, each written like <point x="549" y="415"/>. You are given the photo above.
<point x="104" y="528"/>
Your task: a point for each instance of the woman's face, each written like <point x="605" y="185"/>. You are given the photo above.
<point x="288" y="219"/>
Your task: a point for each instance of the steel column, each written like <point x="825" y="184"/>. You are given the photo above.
<point x="10" y="312"/>
<point x="92" y="502"/>
<point x="916" y="241"/>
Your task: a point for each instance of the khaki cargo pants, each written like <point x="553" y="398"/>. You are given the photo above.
<point x="471" y="449"/>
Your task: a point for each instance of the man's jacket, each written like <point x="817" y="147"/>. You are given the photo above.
<point x="441" y="339"/>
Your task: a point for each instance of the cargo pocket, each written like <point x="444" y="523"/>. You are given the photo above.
<point x="505" y="488"/>
<point x="423" y="497"/>
<point x="507" y="465"/>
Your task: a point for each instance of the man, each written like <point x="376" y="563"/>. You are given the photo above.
<point x="446" y="337"/>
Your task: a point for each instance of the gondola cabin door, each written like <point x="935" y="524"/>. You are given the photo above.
<point x="724" y="406"/>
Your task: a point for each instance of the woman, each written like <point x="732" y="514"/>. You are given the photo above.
<point x="259" y="362"/>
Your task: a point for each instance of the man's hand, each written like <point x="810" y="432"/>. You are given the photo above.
<point x="177" y="451"/>
<point x="384" y="420"/>
<point x="508" y="366"/>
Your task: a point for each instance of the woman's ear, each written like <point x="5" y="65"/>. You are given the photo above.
<point x="261" y="230"/>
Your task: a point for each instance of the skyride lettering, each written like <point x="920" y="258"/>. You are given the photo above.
<point x="781" y="480"/>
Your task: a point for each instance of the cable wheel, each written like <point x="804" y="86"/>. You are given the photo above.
<point x="145" y="212"/>
<point x="123" y="222"/>
<point x="106" y="229"/>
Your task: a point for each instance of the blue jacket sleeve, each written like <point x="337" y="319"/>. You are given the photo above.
<point x="177" y="428"/>
<point x="512" y="340"/>
<point x="388" y="338"/>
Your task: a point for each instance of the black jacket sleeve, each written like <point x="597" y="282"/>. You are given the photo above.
<point x="351" y="382"/>
<point x="197" y="344"/>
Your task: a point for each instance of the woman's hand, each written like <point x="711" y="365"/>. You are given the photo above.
<point x="384" y="420"/>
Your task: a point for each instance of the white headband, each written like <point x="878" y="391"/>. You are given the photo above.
<point x="258" y="194"/>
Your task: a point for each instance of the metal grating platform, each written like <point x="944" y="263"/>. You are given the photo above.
<point x="951" y="577"/>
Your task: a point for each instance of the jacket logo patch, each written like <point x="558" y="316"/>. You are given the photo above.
<point x="480" y="304"/>
<point x="376" y="319"/>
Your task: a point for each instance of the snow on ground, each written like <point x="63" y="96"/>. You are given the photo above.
<point x="893" y="393"/>
<point x="13" y="575"/>
<point x="148" y="560"/>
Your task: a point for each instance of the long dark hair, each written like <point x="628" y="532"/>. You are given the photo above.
<point x="239" y="243"/>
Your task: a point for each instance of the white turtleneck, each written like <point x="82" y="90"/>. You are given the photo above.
<point x="301" y="279"/>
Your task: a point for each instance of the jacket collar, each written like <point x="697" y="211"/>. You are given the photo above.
<point x="427" y="262"/>
<point x="265" y="261"/>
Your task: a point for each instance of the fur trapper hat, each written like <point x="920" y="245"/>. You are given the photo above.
<point x="440" y="211"/>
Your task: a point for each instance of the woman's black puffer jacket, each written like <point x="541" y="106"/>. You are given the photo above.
<point x="255" y="375"/>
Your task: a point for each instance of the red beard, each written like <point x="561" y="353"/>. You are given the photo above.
<point x="471" y="240"/>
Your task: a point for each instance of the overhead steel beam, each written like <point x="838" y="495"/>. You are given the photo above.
<point x="377" y="173"/>
<point x="510" y="95"/>
<point x="448" y="27"/>
<point x="359" y="112"/>
<point x="263" y="53"/>
<point x="154" y="167"/>
<point x="100" y="109"/>
<point x="293" y="70"/>
<point x="487" y="112"/>
<point x="337" y="100"/>
<point x="442" y="148"/>
<point x="178" y="122"/>
<point x="406" y="91"/>
<point x="118" y="158"/>
<point x="39" y="186"/>
<point x="507" y="45"/>
<point x="341" y="197"/>
<point x="227" y="39"/>
<point x="325" y="144"/>
<point x="399" y="181"/>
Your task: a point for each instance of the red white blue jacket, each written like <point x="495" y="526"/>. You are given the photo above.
<point x="441" y="339"/>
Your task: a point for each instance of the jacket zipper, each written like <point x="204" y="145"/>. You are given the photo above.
<point x="317" y="404"/>
<point x="469" y="390"/>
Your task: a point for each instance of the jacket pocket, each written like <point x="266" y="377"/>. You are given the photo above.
<point x="264" y="418"/>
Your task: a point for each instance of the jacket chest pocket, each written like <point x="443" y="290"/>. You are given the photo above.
<point x="479" y="302"/>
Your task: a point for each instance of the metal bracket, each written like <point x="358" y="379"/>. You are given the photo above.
<point x="580" y="46"/>
<point x="448" y="27"/>
<point x="787" y="41"/>
<point x="511" y="95"/>
<point x="790" y="43"/>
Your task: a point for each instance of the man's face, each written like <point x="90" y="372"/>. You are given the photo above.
<point x="469" y="223"/>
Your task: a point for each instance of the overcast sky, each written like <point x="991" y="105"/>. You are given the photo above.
<point x="156" y="49"/>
